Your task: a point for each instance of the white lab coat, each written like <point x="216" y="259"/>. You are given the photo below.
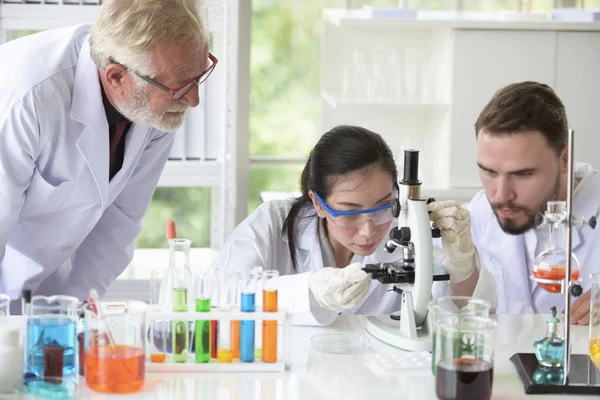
<point x="504" y="255"/>
<point x="64" y="228"/>
<point x="258" y="241"/>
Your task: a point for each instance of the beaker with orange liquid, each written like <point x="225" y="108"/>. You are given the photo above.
<point x="115" y="355"/>
<point x="595" y="320"/>
<point x="550" y="265"/>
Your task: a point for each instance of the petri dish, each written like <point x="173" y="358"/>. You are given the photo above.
<point x="339" y="343"/>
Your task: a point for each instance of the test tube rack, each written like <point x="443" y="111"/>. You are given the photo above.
<point x="156" y="313"/>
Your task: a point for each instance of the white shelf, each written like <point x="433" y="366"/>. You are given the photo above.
<point x="450" y="20"/>
<point x="340" y="104"/>
<point x="37" y="16"/>
<point x="46" y="16"/>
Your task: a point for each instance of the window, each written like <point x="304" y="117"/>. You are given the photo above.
<point x="189" y="207"/>
<point x="285" y="102"/>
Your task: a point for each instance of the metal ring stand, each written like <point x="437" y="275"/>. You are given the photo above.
<point x="578" y="375"/>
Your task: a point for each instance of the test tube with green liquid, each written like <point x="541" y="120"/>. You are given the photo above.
<point x="181" y="332"/>
<point x="202" y="327"/>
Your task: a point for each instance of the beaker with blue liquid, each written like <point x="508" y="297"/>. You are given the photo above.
<point x="51" y="350"/>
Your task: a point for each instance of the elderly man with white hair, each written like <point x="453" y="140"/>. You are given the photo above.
<point x="86" y="121"/>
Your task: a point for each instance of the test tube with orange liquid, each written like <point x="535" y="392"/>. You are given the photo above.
<point x="270" y="285"/>
<point x="235" y="325"/>
<point x="554" y="273"/>
<point x="595" y="320"/>
<point x="228" y="293"/>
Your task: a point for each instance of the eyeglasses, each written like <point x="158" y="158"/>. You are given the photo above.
<point x="356" y="219"/>
<point x="179" y="92"/>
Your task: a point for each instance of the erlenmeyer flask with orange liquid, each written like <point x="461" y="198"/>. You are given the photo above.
<point x="550" y="264"/>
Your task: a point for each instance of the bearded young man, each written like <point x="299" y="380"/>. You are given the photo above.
<point x="522" y="159"/>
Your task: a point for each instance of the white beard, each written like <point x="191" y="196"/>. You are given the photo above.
<point x="138" y="112"/>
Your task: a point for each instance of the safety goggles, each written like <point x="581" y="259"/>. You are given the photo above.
<point x="178" y="92"/>
<point x="356" y="219"/>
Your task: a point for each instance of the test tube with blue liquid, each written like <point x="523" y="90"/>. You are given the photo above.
<point x="248" y="304"/>
<point x="51" y="359"/>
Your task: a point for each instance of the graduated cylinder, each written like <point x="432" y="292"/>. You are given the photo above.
<point x="269" y="304"/>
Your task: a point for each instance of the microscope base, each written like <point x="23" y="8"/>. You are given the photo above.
<point x="388" y="331"/>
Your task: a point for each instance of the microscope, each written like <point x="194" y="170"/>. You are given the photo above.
<point x="413" y="276"/>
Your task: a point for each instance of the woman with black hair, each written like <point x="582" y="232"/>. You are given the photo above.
<point x="320" y="241"/>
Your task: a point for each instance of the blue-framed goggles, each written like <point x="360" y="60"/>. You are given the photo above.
<point x="357" y="218"/>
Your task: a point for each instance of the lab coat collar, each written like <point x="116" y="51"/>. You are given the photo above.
<point x="87" y="108"/>
<point x="312" y="238"/>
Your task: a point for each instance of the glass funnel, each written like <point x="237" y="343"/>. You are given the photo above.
<point x="550" y="264"/>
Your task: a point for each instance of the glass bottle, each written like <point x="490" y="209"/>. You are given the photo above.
<point x="550" y="264"/>
<point x="549" y="349"/>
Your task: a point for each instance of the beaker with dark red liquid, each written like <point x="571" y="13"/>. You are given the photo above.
<point x="465" y="367"/>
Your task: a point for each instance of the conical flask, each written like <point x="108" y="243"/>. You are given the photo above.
<point x="550" y="264"/>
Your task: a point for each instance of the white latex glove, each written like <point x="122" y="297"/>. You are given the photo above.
<point x="454" y="222"/>
<point x="340" y="289"/>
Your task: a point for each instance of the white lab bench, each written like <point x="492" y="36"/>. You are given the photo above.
<point x="314" y="375"/>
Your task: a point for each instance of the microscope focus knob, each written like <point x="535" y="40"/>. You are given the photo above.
<point x="592" y="222"/>
<point x="576" y="290"/>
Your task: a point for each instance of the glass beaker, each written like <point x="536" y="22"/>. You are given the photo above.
<point x="448" y="306"/>
<point x="594" y="326"/>
<point x="115" y="346"/>
<point x="465" y="367"/>
<point x="550" y="265"/>
<point x="51" y="339"/>
<point x="4" y="307"/>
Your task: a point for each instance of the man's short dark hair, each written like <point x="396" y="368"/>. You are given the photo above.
<point x="526" y="106"/>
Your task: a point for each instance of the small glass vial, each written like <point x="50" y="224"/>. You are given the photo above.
<point x="11" y="359"/>
<point x="549" y="350"/>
